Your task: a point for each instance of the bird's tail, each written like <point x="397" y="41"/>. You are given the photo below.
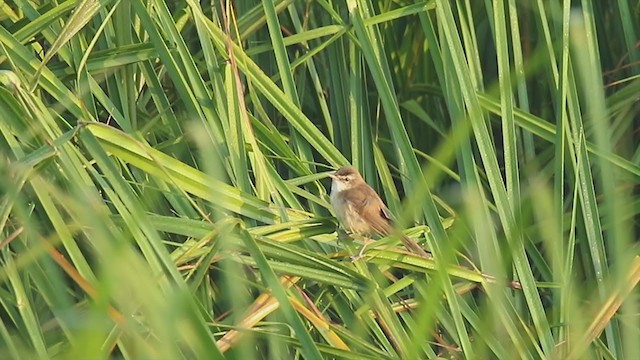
<point x="413" y="247"/>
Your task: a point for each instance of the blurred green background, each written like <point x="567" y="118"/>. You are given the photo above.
<point x="163" y="178"/>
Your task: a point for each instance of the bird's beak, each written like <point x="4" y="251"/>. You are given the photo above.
<point x="333" y="176"/>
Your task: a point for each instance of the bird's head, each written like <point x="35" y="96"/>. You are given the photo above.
<point x="345" y="178"/>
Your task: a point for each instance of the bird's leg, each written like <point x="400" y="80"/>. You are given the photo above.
<point x="360" y="253"/>
<point x="366" y="242"/>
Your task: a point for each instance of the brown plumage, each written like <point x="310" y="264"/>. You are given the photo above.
<point x="361" y="211"/>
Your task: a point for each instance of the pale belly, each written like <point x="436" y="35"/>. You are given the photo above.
<point x="348" y="217"/>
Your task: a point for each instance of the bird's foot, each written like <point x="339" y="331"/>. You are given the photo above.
<point x="360" y="254"/>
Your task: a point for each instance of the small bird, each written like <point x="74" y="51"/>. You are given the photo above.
<point x="361" y="211"/>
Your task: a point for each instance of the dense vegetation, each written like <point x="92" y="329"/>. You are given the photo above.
<point x="163" y="178"/>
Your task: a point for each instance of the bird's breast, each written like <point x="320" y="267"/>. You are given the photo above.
<point x="348" y="216"/>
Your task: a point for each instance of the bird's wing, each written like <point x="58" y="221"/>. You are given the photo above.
<point x="384" y="211"/>
<point x="371" y="208"/>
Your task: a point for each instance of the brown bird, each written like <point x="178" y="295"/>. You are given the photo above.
<point x="361" y="211"/>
